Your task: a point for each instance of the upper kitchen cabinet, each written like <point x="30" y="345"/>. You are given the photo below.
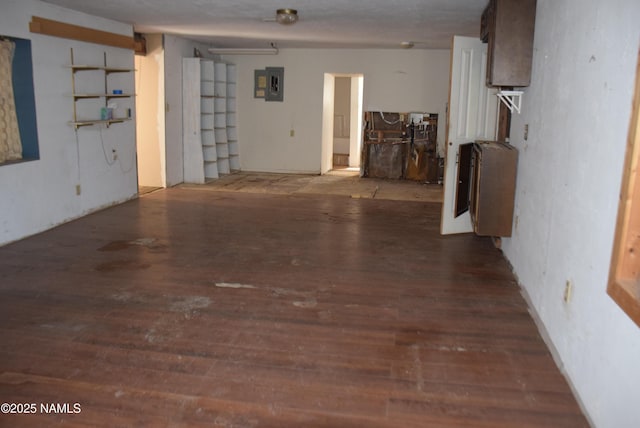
<point x="508" y="27"/>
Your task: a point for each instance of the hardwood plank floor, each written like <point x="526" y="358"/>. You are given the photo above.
<point x="200" y="308"/>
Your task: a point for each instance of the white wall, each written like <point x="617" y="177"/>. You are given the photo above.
<point x="40" y="194"/>
<point x="394" y="80"/>
<point x="569" y="173"/>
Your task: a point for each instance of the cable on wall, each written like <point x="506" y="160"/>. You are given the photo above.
<point x="104" y="151"/>
<point x="388" y="122"/>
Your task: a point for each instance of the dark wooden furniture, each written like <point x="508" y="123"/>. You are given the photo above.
<point x="508" y="27"/>
<point x="493" y="184"/>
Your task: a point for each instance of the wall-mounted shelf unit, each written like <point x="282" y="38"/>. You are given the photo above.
<point x="93" y="82"/>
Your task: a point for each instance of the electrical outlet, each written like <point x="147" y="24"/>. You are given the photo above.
<point x="526" y="132"/>
<point x="78" y="190"/>
<point x="568" y="291"/>
<point x="114" y="154"/>
<point x="292" y="133"/>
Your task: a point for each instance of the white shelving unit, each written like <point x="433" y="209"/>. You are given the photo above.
<point x="199" y="151"/>
<point x="209" y="115"/>
<point x="232" y="132"/>
<point x="220" y="117"/>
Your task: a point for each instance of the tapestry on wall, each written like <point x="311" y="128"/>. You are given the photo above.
<point x="10" y="143"/>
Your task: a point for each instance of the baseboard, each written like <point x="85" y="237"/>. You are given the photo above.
<point x="546" y="337"/>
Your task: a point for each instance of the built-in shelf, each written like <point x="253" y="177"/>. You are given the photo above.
<point x="107" y="96"/>
<point x="102" y="92"/>
<point x="80" y="123"/>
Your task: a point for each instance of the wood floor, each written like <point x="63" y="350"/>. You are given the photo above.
<point x="220" y="309"/>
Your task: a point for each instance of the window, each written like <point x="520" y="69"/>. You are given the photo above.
<point x="18" y="127"/>
<point x="624" y="277"/>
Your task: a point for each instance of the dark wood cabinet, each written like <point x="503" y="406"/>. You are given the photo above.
<point x="493" y="183"/>
<point x="508" y="27"/>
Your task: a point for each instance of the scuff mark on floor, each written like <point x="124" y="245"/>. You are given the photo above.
<point x="417" y="366"/>
<point x="278" y="291"/>
<point x="307" y="299"/>
<point x="144" y="242"/>
<point x="452" y="348"/>
<point x="309" y="303"/>
<point x="190" y="303"/>
<point x="150" y="336"/>
<point x="234" y="285"/>
<point x="304" y="299"/>
<point x="122" y="297"/>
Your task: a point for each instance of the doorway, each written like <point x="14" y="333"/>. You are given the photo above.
<point x="150" y="135"/>
<point x="342" y="122"/>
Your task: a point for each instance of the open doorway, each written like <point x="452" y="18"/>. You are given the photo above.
<point x="342" y="122"/>
<point x="150" y="136"/>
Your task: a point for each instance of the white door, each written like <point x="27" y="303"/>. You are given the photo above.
<point x="472" y="116"/>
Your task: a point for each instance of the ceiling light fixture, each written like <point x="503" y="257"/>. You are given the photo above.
<point x="286" y="16"/>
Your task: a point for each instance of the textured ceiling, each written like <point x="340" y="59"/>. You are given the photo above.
<point x="322" y="24"/>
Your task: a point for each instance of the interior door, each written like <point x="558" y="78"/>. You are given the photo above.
<point x="472" y="116"/>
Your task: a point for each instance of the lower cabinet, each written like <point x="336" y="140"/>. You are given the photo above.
<point x="493" y="184"/>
